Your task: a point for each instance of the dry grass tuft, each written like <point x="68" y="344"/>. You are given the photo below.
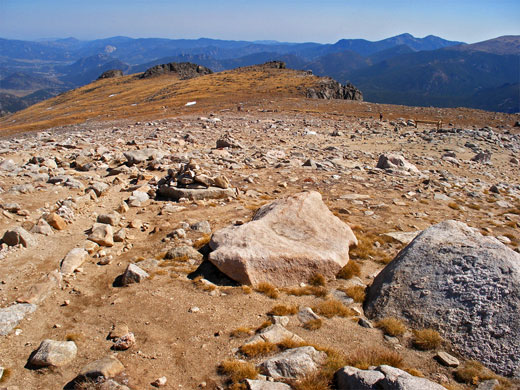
<point x="426" y="339"/>
<point x="267" y="289"/>
<point x="391" y="326"/>
<point x="474" y="206"/>
<point x="199" y="243"/>
<point x="454" y="206"/>
<point x="350" y="270"/>
<point x="237" y="371"/>
<point x="315" y="381"/>
<point x="6" y="375"/>
<point x="247" y="290"/>
<point x="290" y="344"/>
<point x="333" y="307"/>
<point x="317" y="280"/>
<point x="473" y="372"/>
<point x="261" y="348"/>
<point x="241" y="331"/>
<point x="320" y="292"/>
<point x="76" y="337"/>
<point x="414" y="372"/>
<point x="200" y="282"/>
<point x="313" y="324"/>
<point x="283" y="310"/>
<point x="364" y="358"/>
<point x="264" y="325"/>
<point x="357" y="293"/>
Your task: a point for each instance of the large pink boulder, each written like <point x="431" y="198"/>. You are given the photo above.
<point x="286" y="243"/>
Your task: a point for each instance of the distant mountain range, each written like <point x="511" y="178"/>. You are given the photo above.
<point x="399" y="70"/>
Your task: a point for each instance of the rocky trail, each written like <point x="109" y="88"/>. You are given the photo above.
<point x="112" y="233"/>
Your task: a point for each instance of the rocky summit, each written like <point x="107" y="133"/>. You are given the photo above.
<point x="231" y="231"/>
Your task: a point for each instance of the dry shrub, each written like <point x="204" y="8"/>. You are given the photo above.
<point x="357" y="293"/>
<point x="315" y="381"/>
<point x="6" y="375"/>
<point x="426" y="339"/>
<point x="335" y="360"/>
<point x="473" y="372"/>
<point x="454" y="206"/>
<point x="313" y="324"/>
<point x="290" y="344"/>
<point x="307" y="290"/>
<point x="247" y="290"/>
<point x="199" y="243"/>
<point x="76" y="337"/>
<point x="474" y="206"/>
<point x="391" y="326"/>
<point x="241" y="331"/>
<point x="376" y="356"/>
<point x="331" y="308"/>
<point x="261" y="348"/>
<point x="414" y="372"/>
<point x="264" y="325"/>
<point x="283" y="310"/>
<point x="237" y="371"/>
<point x="317" y="280"/>
<point x="267" y="289"/>
<point x="350" y="270"/>
<point x="200" y="282"/>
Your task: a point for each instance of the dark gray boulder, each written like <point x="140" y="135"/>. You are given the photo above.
<point x="331" y="89"/>
<point x="110" y="74"/>
<point x="185" y="70"/>
<point x="465" y="285"/>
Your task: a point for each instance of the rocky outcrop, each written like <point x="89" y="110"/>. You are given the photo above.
<point x="382" y="377"/>
<point x="111" y="74"/>
<point x="461" y="283"/>
<point x="287" y="242"/>
<point x="331" y="89"/>
<point x="185" y="70"/>
<point x="293" y="363"/>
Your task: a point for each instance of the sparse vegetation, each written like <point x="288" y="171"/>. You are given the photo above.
<point x="391" y="326"/>
<point x="350" y="270"/>
<point x="357" y="293"/>
<point x="364" y="358"/>
<point x="313" y="324"/>
<point x="454" y="206"/>
<point x="241" y="331"/>
<point x="261" y="348"/>
<point x="473" y="372"/>
<point x="283" y="310"/>
<point x="238" y="370"/>
<point x="368" y="249"/>
<point x="199" y="243"/>
<point x="247" y="290"/>
<point x="317" y="280"/>
<point x="319" y="292"/>
<point x="76" y="337"/>
<point x="6" y="375"/>
<point x="426" y="339"/>
<point x="267" y="289"/>
<point x="331" y="308"/>
<point x="414" y="372"/>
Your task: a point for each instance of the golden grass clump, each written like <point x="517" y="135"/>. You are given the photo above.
<point x="357" y="293"/>
<point x="313" y="324"/>
<point x="426" y="339"/>
<point x="283" y="310"/>
<point x="376" y="356"/>
<point x="414" y="372"/>
<point x="307" y="290"/>
<point x="290" y="344"/>
<point x="391" y="326"/>
<point x="331" y="308"/>
<point x="264" y="325"/>
<point x="261" y="348"/>
<point x="6" y="375"/>
<point x="200" y="282"/>
<point x="315" y="381"/>
<point x="238" y="370"/>
<point x="76" y="337"/>
<point x="199" y="243"/>
<point x="454" y="206"/>
<point x="367" y="249"/>
<point x="317" y="280"/>
<point x="350" y="270"/>
<point x="241" y="331"/>
<point x="267" y="289"/>
<point x="473" y="372"/>
<point x="247" y="290"/>
<point x="474" y="206"/>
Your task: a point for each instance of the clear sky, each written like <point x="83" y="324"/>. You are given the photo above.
<point x="323" y="21"/>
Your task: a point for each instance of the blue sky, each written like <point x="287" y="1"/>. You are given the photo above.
<point x="284" y="20"/>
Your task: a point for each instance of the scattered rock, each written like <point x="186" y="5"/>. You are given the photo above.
<point x="265" y="385"/>
<point x="466" y="285"/>
<point x="382" y="377"/>
<point x="183" y="252"/>
<point x="160" y="382"/>
<point x="73" y="260"/>
<point x="274" y="334"/>
<point x="18" y="236"/>
<point x="124" y="342"/>
<point x="446" y="359"/>
<point x="54" y="353"/>
<point x="287" y="242"/>
<point x="12" y="315"/>
<point x="306" y="314"/>
<point x="102" y="234"/>
<point x="107" y="367"/>
<point x="133" y="274"/>
<point x="396" y="162"/>
<point x="56" y="221"/>
<point x="293" y="363"/>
